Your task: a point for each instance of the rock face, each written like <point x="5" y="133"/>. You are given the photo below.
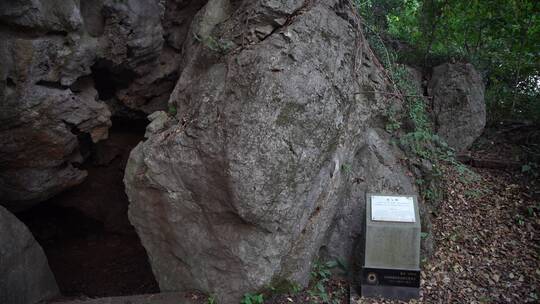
<point x="458" y="104"/>
<point x="276" y="138"/>
<point x="41" y="123"/>
<point x="61" y="61"/>
<point x="26" y="277"/>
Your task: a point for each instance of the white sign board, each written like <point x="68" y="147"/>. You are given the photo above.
<point x="392" y="209"/>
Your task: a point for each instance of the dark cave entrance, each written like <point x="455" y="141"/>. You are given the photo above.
<point x="109" y="78"/>
<point x="92" y="249"/>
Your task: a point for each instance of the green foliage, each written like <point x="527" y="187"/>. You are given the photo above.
<point x="171" y="109"/>
<point x="520" y="220"/>
<point x="321" y="271"/>
<point x="532" y="169"/>
<point x="532" y="211"/>
<point x="341" y="265"/>
<point x="320" y="274"/>
<point x="211" y="300"/>
<point x="376" y="12"/>
<point x="500" y="37"/>
<point x="252" y="299"/>
<point x="216" y="45"/>
<point x="393" y="122"/>
<point x="346" y="168"/>
<point x="417" y="139"/>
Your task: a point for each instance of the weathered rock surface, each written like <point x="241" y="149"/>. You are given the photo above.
<point x="458" y="104"/>
<point x="132" y="34"/>
<point x="61" y="61"/>
<point x="416" y="78"/>
<point x="52" y="15"/>
<point x="160" y="298"/>
<point x="25" y="274"/>
<point x="276" y="138"/>
<point x="41" y="122"/>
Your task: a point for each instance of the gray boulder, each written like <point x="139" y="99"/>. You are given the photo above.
<point x="26" y="277"/>
<point x="277" y="137"/>
<point x="459" y="108"/>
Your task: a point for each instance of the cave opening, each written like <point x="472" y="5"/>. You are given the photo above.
<point x="109" y="78"/>
<point x="84" y="231"/>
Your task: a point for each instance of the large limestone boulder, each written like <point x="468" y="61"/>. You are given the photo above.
<point x="458" y="104"/>
<point x="277" y="136"/>
<point x="26" y="277"/>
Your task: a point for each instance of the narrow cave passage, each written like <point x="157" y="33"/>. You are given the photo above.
<point x="85" y="232"/>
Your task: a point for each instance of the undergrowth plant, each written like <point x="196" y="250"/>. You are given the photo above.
<point x="423" y="147"/>
<point x="320" y="276"/>
<point x="393" y="123"/>
<point x="171" y="109"/>
<point x="211" y="300"/>
<point x="213" y="44"/>
<point x="252" y="299"/>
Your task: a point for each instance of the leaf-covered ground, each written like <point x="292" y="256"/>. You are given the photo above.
<point x="486" y="235"/>
<point x="486" y="243"/>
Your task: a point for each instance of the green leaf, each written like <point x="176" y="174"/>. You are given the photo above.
<point x="320" y="287"/>
<point x="331" y="264"/>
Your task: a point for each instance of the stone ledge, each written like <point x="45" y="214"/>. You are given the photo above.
<point x="158" y="298"/>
